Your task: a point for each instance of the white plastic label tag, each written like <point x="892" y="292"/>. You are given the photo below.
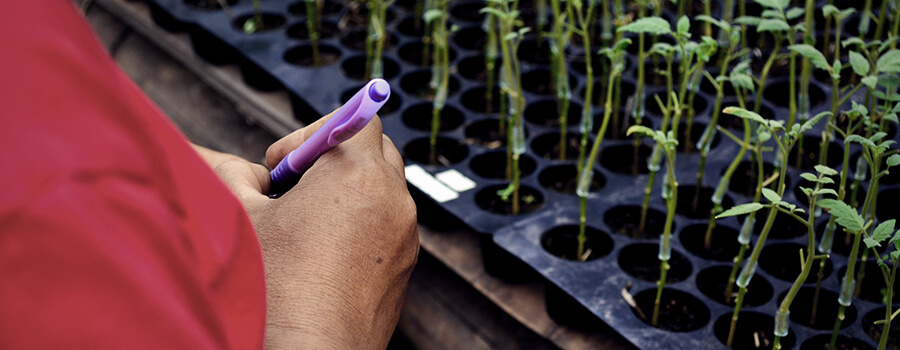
<point x="455" y="180"/>
<point x="429" y="184"/>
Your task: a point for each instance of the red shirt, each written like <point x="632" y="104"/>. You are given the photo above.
<point x="113" y="232"/>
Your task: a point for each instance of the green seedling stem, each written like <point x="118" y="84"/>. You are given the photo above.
<point x="637" y="108"/>
<point x="560" y="72"/>
<point x="653" y="164"/>
<point x="490" y="64"/>
<point x="540" y="8"/>
<point x="441" y="71"/>
<point x="725" y="180"/>
<point x="835" y="81"/>
<point x="806" y="67"/>
<point x="745" y="233"/>
<point x="426" y="34"/>
<point x="864" y="19"/>
<point x="782" y="322"/>
<point x="575" y="9"/>
<point x="668" y="143"/>
<point x="511" y="84"/>
<point x="710" y="131"/>
<point x="312" y="26"/>
<point x="848" y="283"/>
<point x="587" y="172"/>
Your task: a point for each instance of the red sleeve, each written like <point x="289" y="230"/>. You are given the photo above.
<point x="113" y="232"/>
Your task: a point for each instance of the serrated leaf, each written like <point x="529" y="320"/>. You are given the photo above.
<point x="859" y="63"/>
<point x="809" y="124"/>
<point x="809" y="177"/>
<point x="740" y="209"/>
<point x="743" y="81"/>
<point x="652" y="25"/>
<point x="871" y="243"/>
<point x="826" y="180"/>
<point x="895" y="255"/>
<point x="884" y="230"/>
<point x="772" y="25"/>
<point x="893" y="160"/>
<point x="771" y="195"/>
<point x="889" y="62"/>
<point x="813" y="55"/>
<point x="794" y="12"/>
<point x="896" y="238"/>
<point x="860" y="140"/>
<point x="743" y="113"/>
<point x="821" y="169"/>
<point x="844" y="214"/>
<point x="822" y="191"/>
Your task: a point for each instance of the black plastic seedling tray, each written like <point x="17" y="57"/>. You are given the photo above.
<point x="473" y="163"/>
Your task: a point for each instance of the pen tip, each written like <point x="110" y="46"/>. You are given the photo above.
<point x="379" y="90"/>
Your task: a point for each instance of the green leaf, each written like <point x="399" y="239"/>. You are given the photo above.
<point x="492" y="11"/>
<point x="870" y="81"/>
<point x="771" y="195"/>
<point x="809" y="124"/>
<point x="853" y="41"/>
<point x="721" y="24"/>
<point x="772" y="25"/>
<point x="684" y="25"/>
<point x="743" y="81"/>
<point x="826" y="180"/>
<point x="893" y="160"/>
<point x="651" y="25"/>
<point x="860" y="140"/>
<point x="431" y="15"/>
<point x="896" y="239"/>
<point x="824" y="170"/>
<point x="844" y="214"/>
<point x="884" y="230"/>
<point x="895" y="254"/>
<point x="822" y="191"/>
<point x="740" y="209"/>
<point x="748" y="20"/>
<point x="809" y="177"/>
<point x="743" y="113"/>
<point x="859" y="63"/>
<point x="770" y="3"/>
<point x="829" y="10"/>
<point x="640" y="129"/>
<point x="889" y="62"/>
<point x="871" y="243"/>
<point x="794" y="12"/>
<point x="813" y="55"/>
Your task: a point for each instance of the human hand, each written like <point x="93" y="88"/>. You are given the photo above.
<point x="339" y="247"/>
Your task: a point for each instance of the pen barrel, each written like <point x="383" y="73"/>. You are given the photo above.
<point x="283" y="178"/>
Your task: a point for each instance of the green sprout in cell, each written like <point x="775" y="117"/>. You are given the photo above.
<point x="376" y="37"/>
<point x="785" y="140"/>
<point x="668" y="143"/>
<point x="440" y="72"/>
<point x="585" y="176"/>
<point x="782" y="321"/>
<point x="511" y="83"/>
<point x="559" y="40"/>
<point x="255" y="23"/>
<point x="313" y="26"/>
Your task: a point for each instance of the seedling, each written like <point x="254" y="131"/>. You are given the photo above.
<point x="511" y="84"/>
<point x="670" y="192"/>
<point x="559" y="40"/>
<point x="376" y="37"/>
<point x="255" y="23"/>
<point x="440" y="72"/>
<point x="616" y="56"/>
<point x="785" y="139"/>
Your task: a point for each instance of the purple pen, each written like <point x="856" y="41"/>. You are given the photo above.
<point x="346" y="122"/>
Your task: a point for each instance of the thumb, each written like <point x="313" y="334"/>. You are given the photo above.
<point x="248" y="181"/>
